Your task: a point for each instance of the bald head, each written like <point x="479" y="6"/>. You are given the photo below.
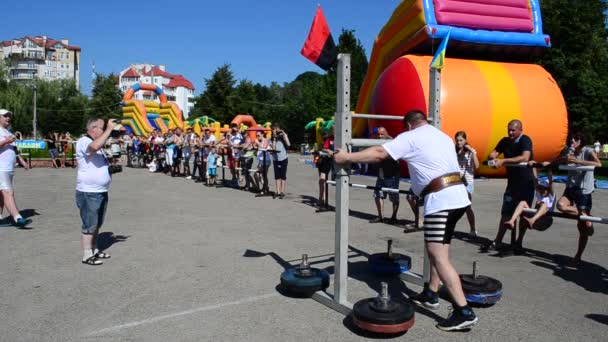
<point x="515" y="129"/>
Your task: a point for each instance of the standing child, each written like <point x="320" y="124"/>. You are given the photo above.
<point x="468" y="163"/>
<point x="545" y="203"/>
<point x="212" y="165"/>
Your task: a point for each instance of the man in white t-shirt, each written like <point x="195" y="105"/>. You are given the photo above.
<point x="8" y="155"/>
<point x="92" y="186"/>
<point x="435" y="174"/>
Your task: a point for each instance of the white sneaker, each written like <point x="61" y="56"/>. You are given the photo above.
<point x="189" y="177"/>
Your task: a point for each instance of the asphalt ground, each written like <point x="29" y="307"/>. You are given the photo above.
<point x="192" y="263"/>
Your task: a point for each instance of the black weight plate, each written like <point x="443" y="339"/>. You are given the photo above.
<point x="403" y="312"/>
<point x="480" y="284"/>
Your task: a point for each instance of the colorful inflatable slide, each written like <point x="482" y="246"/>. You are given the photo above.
<point x="482" y="85"/>
<point x="143" y="117"/>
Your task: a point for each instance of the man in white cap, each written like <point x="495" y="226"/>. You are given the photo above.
<point x="8" y="156"/>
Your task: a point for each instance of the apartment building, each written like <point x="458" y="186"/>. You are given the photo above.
<point x="41" y="57"/>
<point x="177" y="88"/>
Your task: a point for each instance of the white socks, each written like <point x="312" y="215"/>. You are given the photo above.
<point x="87" y="254"/>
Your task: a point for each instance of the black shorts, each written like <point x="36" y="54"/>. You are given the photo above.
<point x="280" y="169"/>
<point x="177" y="153"/>
<point x="512" y="197"/>
<point x="324" y="165"/>
<point x="582" y="201"/>
<point x="439" y="227"/>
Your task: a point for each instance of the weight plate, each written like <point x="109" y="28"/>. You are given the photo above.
<point x="385" y="328"/>
<point x="488" y="298"/>
<point x="480" y="284"/>
<point x="294" y="283"/>
<point x="363" y="312"/>
<point x="396" y="264"/>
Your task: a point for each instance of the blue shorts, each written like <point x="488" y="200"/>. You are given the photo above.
<point x="390" y="182"/>
<point x="582" y="201"/>
<point x="53" y="153"/>
<point x="212" y="172"/>
<point x="92" y="206"/>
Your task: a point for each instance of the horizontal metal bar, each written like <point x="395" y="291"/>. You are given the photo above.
<point x="371" y="187"/>
<point x="377" y="117"/>
<point x="576" y="168"/>
<point x="570" y="216"/>
<point x="238" y="169"/>
<point x="367" y="142"/>
<point x="327" y="300"/>
<point x="563" y="167"/>
<point x="413" y="278"/>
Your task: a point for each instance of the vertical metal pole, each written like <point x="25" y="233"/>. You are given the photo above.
<point x="435" y="97"/>
<point x="35" y="119"/>
<point x="435" y="117"/>
<point x="343" y="137"/>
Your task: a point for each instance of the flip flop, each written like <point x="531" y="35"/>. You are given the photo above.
<point x="93" y="261"/>
<point x="102" y="255"/>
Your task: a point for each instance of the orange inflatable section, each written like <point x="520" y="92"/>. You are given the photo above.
<point x="247" y="120"/>
<point x="480" y="98"/>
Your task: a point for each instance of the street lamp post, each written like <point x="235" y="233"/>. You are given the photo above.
<point x="34" y="121"/>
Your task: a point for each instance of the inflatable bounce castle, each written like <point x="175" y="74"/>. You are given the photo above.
<point x="484" y="84"/>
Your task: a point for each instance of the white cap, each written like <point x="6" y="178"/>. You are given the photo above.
<point x="4" y="112"/>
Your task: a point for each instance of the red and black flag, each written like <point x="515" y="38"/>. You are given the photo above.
<point x="319" y="47"/>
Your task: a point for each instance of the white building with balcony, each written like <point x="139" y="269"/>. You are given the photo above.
<point x="177" y="88"/>
<point x="41" y="57"/>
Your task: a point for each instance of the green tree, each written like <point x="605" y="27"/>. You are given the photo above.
<point x="61" y="107"/>
<point x="19" y="99"/>
<point x="244" y="98"/>
<point x="216" y="100"/>
<point x="348" y="43"/>
<point x="106" y="98"/>
<point x="578" y="60"/>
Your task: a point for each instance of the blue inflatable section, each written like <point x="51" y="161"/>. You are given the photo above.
<point x="489" y="37"/>
<point x="535" y="38"/>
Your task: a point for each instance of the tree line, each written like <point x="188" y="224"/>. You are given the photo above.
<point x="578" y="60"/>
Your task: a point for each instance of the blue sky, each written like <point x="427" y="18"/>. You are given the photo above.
<point x="261" y="40"/>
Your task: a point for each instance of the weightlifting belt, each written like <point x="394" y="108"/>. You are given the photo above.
<point x="442" y="182"/>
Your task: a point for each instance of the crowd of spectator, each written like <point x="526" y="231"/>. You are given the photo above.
<point x="241" y="159"/>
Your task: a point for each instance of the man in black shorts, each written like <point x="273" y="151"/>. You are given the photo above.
<point x="388" y="177"/>
<point x="431" y="159"/>
<point x="516" y="148"/>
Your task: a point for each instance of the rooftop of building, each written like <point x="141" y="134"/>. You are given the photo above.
<point x="138" y="70"/>
<point x="42" y="41"/>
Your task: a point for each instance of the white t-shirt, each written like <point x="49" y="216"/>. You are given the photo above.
<point x="208" y="141"/>
<point x="548" y="200"/>
<point x="93" y="175"/>
<point x="7" y="152"/>
<point x="236" y="139"/>
<point x="429" y="154"/>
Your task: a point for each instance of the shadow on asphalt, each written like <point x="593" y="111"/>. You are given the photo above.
<point x="314" y="202"/>
<point x="598" y="318"/>
<point x="106" y="239"/>
<point x="590" y="276"/>
<point x="27" y="213"/>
